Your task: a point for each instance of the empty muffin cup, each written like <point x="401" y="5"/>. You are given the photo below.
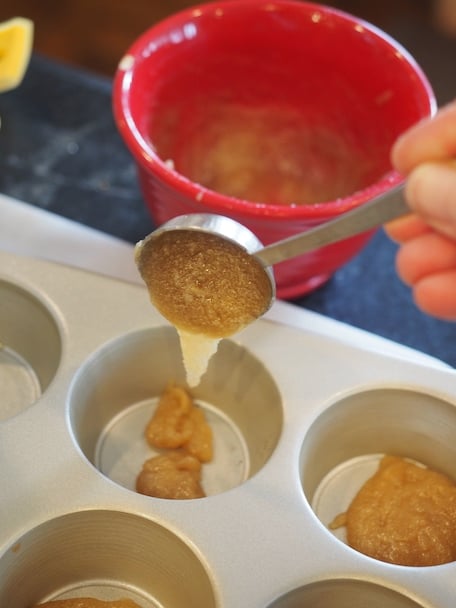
<point x="344" y="445"/>
<point x="344" y="593"/>
<point x="107" y="555"/>
<point x="115" y="393"/>
<point x="30" y="348"/>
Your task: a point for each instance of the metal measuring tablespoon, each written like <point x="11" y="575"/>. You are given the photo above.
<point x="377" y="211"/>
<point x="210" y="276"/>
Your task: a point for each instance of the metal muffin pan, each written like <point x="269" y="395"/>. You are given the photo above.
<point x="299" y="420"/>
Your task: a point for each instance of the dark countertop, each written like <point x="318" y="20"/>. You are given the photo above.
<point x="59" y="150"/>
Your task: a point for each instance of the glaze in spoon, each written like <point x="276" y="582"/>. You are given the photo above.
<point x="210" y="276"/>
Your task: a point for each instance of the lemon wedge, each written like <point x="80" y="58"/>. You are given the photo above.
<point x="16" y="37"/>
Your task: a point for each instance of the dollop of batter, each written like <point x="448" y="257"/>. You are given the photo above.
<point x="206" y="286"/>
<point x="405" y="514"/>
<point x="179" y="423"/>
<point x="179" y="427"/>
<point x="175" y="475"/>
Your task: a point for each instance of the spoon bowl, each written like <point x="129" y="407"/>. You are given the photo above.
<point x="379" y="210"/>
<point x="220" y="225"/>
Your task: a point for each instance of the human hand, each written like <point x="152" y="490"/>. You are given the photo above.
<point x="426" y="260"/>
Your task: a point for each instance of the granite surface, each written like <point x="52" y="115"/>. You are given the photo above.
<point x="59" y="150"/>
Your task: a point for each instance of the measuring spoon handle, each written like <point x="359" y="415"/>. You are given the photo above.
<point x="376" y="212"/>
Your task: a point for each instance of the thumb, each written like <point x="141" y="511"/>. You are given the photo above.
<point x="431" y="194"/>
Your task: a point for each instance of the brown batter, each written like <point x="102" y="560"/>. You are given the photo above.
<point x="269" y="155"/>
<point x="173" y="475"/>
<point x="88" y="602"/>
<point x="180" y="427"/>
<point x="178" y="423"/>
<point x="405" y="514"/>
<point x="207" y="287"/>
<point x="203" y="283"/>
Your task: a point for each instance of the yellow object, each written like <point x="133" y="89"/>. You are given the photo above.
<point x="16" y="37"/>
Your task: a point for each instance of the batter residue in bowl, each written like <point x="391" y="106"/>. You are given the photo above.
<point x="404" y="514"/>
<point x="269" y="154"/>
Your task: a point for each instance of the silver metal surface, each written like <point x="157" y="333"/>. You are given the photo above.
<point x="302" y="411"/>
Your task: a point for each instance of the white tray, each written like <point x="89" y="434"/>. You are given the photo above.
<point x="291" y="399"/>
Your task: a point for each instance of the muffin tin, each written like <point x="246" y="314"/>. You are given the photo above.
<point x="299" y="421"/>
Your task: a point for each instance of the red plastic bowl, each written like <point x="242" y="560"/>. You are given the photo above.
<point x="301" y="96"/>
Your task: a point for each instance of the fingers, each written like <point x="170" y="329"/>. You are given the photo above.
<point x="433" y="139"/>
<point x="431" y="193"/>
<point x="436" y="295"/>
<point x="427" y="263"/>
<point x="427" y="254"/>
<point x="405" y="228"/>
<point x="426" y="260"/>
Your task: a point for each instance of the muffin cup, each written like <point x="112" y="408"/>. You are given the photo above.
<point x="344" y="593"/>
<point x="105" y="554"/>
<point x="299" y="415"/>
<point x="115" y="394"/>
<point x="30" y="348"/>
<point x="343" y="447"/>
